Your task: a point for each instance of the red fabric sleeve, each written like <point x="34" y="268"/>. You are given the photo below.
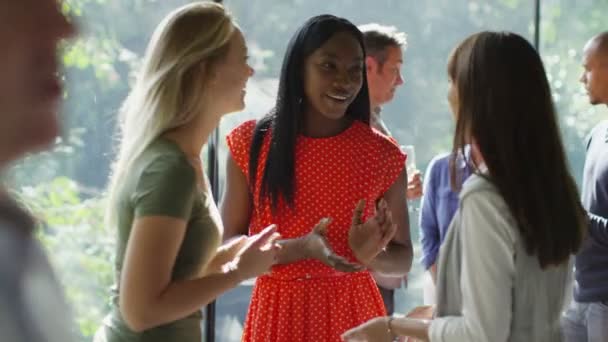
<point x="239" y="144"/>
<point x="391" y="162"/>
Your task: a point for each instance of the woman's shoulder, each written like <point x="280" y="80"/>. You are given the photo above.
<point x="239" y="139"/>
<point x="375" y="140"/>
<point x="481" y="198"/>
<point x="478" y="184"/>
<point x="243" y="130"/>
<point x="441" y="160"/>
<point x="479" y="193"/>
<point x="164" y="151"/>
<point x="439" y="164"/>
<point x="166" y="160"/>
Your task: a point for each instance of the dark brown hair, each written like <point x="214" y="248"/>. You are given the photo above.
<point x="505" y="108"/>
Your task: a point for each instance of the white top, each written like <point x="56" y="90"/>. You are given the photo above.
<point x="489" y="288"/>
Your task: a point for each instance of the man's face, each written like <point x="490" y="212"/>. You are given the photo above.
<point x="30" y="90"/>
<point x="384" y="79"/>
<point x="595" y="75"/>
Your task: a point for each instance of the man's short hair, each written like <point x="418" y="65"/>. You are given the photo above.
<point x="378" y="37"/>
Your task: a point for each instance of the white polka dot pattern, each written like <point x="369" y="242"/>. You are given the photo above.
<point x="308" y="301"/>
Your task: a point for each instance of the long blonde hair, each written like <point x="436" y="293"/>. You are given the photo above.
<point x="169" y="88"/>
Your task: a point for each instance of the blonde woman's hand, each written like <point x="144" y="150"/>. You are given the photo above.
<point x="316" y="247"/>
<point x="258" y="254"/>
<point x="367" y="239"/>
<point x="225" y="254"/>
<point x="374" y="330"/>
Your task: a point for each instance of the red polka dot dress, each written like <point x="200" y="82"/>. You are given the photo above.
<point x="306" y="300"/>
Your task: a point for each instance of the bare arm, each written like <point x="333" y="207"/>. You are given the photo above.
<point x="386" y="329"/>
<point x="148" y="297"/>
<point x="236" y="209"/>
<point x="416" y="328"/>
<point x="236" y="204"/>
<point x="397" y="257"/>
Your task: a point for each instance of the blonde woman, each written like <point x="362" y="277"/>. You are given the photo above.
<point x="169" y="262"/>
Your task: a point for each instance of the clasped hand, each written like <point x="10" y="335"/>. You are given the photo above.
<point x="250" y="256"/>
<point x="366" y="239"/>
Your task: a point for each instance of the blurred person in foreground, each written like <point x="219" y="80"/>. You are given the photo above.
<point x="32" y="305"/>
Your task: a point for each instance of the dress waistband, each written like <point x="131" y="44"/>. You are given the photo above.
<point x="337" y="275"/>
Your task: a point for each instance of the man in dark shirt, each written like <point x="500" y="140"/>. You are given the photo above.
<point x="587" y="317"/>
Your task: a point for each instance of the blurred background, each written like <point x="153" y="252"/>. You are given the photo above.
<point x="64" y="187"/>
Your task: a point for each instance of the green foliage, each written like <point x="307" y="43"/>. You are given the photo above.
<point x="81" y="249"/>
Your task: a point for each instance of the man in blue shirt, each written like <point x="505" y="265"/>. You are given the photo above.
<point x="439" y="205"/>
<point x="587" y="317"/>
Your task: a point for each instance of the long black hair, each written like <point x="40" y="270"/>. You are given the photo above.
<point x="285" y="121"/>
<point x="505" y="105"/>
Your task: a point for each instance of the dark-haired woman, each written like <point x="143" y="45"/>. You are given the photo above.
<point x="314" y="156"/>
<point x="504" y="266"/>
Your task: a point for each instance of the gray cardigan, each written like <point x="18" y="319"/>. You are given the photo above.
<point x="488" y="288"/>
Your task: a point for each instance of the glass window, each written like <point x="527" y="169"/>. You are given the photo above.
<point x="565" y="28"/>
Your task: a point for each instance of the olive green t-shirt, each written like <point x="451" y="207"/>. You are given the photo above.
<point x="162" y="182"/>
